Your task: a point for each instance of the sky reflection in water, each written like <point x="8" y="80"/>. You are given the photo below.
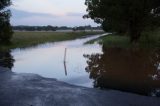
<point x="48" y="61"/>
<point x="130" y="70"/>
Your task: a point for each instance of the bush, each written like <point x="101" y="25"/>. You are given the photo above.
<point x="5" y="33"/>
<point x="5" y="27"/>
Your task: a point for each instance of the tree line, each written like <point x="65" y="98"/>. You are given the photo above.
<point x="53" y="28"/>
<point x="125" y="16"/>
<point x="34" y="28"/>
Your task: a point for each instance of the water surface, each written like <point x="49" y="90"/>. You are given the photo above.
<point x="129" y="70"/>
<point x="47" y="60"/>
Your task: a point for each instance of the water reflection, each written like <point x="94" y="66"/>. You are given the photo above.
<point x="65" y="68"/>
<point x="131" y="70"/>
<point x="6" y="59"/>
<point x="63" y="61"/>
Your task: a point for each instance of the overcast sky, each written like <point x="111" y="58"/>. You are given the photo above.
<point x="49" y="12"/>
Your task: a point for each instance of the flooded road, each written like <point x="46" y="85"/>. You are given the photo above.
<point x="92" y="65"/>
<point x="47" y="60"/>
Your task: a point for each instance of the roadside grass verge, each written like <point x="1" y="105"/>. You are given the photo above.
<point x="149" y="39"/>
<point x="112" y="40"/>
<point x="27" y="39"/>
<point x="115" y="41"/>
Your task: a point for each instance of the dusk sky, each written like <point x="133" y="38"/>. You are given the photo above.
<point x="49" y="12"/>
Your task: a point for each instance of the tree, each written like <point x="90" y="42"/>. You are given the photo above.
<point x="125" y="16"/>
<point x="5" y="27"/>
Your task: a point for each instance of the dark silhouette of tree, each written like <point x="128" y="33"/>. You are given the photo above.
<point x="5" y="27"/>
<point x="53" y="28"/>
<point x="6" y="59"/>
<point x="35" y="28"/>
<point x="125" y="16"/>
<point x="74" y="29"/>
<point x="79" y="28"/>
<point x="130" y="70"/>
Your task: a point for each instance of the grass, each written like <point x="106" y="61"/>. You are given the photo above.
<point x="112" y="40"/>
<point x="26" y="39"/>
<point x="149" y="39"/>
<point x="115" y="41"/>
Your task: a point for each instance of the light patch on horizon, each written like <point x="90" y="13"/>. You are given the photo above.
<point x="56" y="12"/>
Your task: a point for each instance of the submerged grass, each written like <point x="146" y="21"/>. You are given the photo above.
<point x="26" y="39"/>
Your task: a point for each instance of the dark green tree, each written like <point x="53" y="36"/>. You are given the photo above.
<point x="125" y="16"/>
<point x="5" y="27"/>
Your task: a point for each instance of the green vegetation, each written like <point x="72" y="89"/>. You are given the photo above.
<point x="116" y="41"/>
<point x="125" y="16"/>
<point x="5" y="27"/>
<point x="149" y="39"/>
<point x="26" y="39"/>
<point x="112" y="40"/>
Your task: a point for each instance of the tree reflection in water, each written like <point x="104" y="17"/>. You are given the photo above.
<point x="129" y="70"/>
<point x="6" y="59"/>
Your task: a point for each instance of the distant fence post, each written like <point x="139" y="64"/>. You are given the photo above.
<point x="65" y="52"/>
<point x="65" y="68"/>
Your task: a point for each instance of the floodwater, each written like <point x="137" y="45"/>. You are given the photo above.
<point x="92" y="65"/>
<point x="47" y="60"/>
<point x="129" y="70"/>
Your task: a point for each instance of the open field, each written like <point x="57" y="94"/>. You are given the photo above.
<point x="26" y="39"/>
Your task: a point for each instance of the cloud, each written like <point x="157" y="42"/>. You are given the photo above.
<point x="45" y="20"/>
<point x="22" y="14"/>
<point x="49" y="12"/>
<point x="53" y="7"/>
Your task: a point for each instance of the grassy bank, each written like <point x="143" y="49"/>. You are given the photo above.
<point x="149" y="39"/>
<point x="115" y="41"/>
<point x="26" y="39"/>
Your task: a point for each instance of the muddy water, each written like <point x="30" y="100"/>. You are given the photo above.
<point x="130" y="70"/>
